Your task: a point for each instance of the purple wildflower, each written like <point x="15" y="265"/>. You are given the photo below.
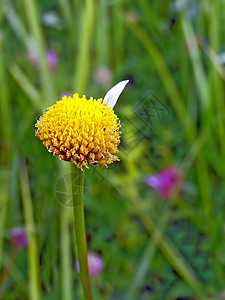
<point x="19" y="237"/>
<point x="95" y="264"/>
<point x="167" y="182"/>
<point x="52" y="59"/>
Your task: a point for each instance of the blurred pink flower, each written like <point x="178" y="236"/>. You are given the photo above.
<point x="19" y="237"/>
<point x="103" y="75"/>
<point x="95" y="264"/>
<point x="51" y="57"/>
<point x="167" y="183"/>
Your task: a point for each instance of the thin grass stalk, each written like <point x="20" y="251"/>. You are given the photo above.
<point x="206" y="115"/>
<point x="33" y="255"/>
<point x="102" y="47"/>
<point x="184" y="70"/>
<point x="141" y="272"/>
<point x="199" y="73"/>
<point x="200" y="22"/>
<point x="18" y="278"/>
<point x="84" y="55"/>
<point x="182" y="113"/>
<point x="173" y="255"/>
<point x="4" y="185"/>
<point x="65" y="256"/>
<point x="66" y="10"/>
<point x="29" y="89"/>
<point x="215" y="83"/>
<point x="146" y="8"/>
<point x="72" y="25"/>
<point x="170" y="251"/>
<point x="202" y="87"/>
<point x="77" y="184"/>
<point x="77" y="6"/>
<point x="118" y="35"/>
<point x="4" y="275"/>
<point x="16" y="24"/>
<point x="33" y="19"/>
<point x="65" y="245"/>
<point x="217" y="93"/>
<point x="5" y="118"/>
<point x="166" y="246"/>
<point x="166" y="77"/>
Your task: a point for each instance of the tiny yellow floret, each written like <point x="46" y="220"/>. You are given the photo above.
<point x="79" y="130"/>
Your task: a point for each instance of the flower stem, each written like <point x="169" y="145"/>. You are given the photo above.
<point x="77" y="183"/>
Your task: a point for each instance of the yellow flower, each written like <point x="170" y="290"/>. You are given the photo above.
<point x="82" y="131"/>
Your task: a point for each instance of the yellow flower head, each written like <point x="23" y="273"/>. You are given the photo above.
<point x="82" y="131"/>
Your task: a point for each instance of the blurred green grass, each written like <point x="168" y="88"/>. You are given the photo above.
<point x="152" y="249"/>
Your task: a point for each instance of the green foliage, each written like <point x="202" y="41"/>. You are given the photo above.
<point x="172" y="113"/>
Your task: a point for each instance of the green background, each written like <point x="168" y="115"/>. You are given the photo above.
<point x="172" y="113"/>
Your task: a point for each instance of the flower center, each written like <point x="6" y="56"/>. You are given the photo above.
<point x="82" y="131"/>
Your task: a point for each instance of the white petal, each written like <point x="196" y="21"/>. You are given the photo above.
<point x="113" y="94"/>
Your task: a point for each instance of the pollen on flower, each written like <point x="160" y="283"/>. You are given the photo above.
<point x="79" y="130"/>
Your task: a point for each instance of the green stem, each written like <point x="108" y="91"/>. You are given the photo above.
<point x="77" y="183"/>
<point x="33" y="18"/>
<point x="33" y="256"/>
<point x="118" y="35"/>
<point x="6" y="144"/>
<point x="84" y="56"/>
